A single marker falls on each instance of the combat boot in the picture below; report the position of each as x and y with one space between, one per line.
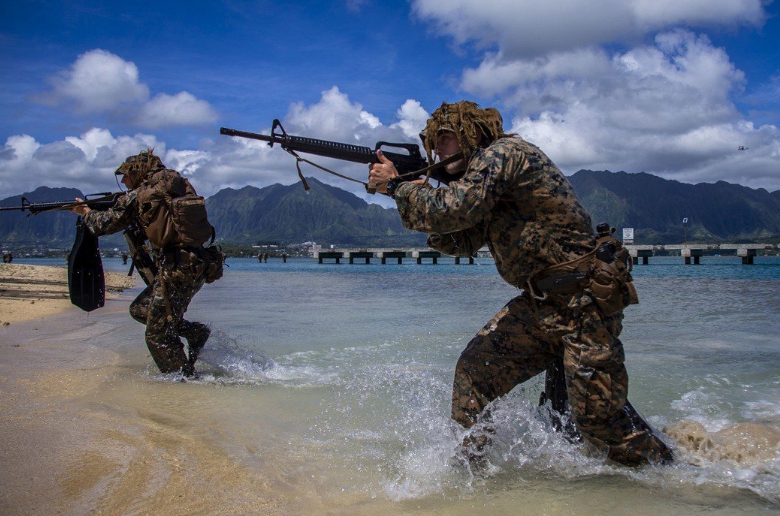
197 335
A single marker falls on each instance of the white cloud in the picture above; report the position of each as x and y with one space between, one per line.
334 117
91 141
609 126
171 110
648 94
656 14
86 162
20 147
528 28
100 82
579 139
412 119
664 107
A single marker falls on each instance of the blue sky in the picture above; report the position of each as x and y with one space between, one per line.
669 87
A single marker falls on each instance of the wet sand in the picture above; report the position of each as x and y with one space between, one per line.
83 433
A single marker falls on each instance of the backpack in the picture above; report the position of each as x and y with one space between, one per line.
171 212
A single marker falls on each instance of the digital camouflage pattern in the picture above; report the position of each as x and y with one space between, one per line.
171 291
515 200
162 305
162 337
512 198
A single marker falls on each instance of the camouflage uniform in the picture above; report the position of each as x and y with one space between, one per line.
515 200
161 306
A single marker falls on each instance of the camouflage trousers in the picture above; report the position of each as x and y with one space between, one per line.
161 307
525 338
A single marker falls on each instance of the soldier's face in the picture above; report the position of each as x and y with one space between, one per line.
127 181
447 145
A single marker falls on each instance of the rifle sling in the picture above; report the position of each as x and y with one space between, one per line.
303 179
370 187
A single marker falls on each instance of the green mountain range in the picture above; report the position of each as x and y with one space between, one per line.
289 214
327 215
656 208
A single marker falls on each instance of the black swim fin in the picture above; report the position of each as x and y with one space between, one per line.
86 282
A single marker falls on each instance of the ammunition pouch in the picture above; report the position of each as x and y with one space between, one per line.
609 283
209 262
611 286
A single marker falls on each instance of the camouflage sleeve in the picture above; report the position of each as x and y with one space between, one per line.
114 219
460 243
465 203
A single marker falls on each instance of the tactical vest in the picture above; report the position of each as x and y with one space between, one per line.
172 213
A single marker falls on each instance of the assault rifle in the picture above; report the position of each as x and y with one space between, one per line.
409 164
100 201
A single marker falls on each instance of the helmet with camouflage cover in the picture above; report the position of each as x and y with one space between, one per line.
138 167
463 118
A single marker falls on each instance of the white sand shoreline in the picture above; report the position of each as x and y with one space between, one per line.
84 430
30 292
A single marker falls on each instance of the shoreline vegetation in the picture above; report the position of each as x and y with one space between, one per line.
29 292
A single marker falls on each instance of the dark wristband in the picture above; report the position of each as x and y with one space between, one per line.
393 185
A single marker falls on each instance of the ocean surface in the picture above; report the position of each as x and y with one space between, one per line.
339 377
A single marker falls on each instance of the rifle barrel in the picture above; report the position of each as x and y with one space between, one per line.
103 202
411 161
326 148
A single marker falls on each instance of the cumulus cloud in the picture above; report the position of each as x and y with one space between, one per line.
180 109
334 117
663 108
100 82
86 162
637 93
681 80
412 118
528 29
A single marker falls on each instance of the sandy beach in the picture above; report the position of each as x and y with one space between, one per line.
80 433
29 292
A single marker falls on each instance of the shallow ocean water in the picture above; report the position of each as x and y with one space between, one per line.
334 380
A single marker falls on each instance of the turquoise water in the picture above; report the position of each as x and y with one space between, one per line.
354 364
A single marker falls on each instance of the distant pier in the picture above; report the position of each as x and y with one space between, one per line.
691 253
420 255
